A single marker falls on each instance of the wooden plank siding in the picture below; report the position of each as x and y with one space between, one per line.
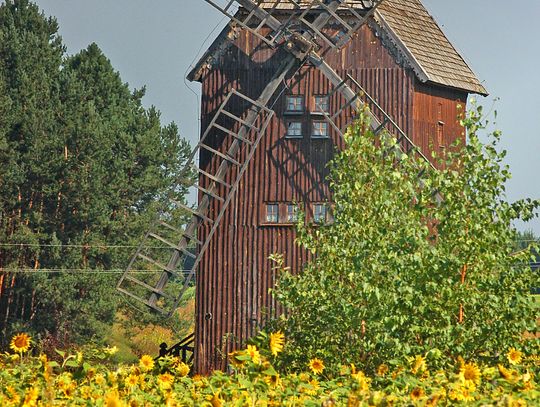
436 110
235 275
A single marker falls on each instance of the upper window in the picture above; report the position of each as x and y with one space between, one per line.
321 104
294 129
295 104
320 129
272 213
440 133
292 213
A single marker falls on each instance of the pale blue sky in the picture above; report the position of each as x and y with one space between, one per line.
153 43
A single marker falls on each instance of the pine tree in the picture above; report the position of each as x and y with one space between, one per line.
86 165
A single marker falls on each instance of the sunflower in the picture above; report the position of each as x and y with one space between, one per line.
233 358
277 340
272 381
30 398
382 370
146 363
316 365
253 354
99 379
362 380
20 343
113 400
12 395
418 364
215 401
510 375
312 388
131 380
463 392
514 356
470 372
165 380
417 394
182 369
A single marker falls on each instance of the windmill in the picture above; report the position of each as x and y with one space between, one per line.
292 36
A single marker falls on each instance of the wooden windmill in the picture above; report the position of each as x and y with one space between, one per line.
279 85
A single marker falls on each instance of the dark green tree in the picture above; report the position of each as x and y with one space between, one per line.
86 166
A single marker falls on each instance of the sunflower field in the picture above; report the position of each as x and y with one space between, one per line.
88 378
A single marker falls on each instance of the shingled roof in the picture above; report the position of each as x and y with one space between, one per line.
417 36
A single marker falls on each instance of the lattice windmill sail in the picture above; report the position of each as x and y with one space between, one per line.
165 247
342 49
151 268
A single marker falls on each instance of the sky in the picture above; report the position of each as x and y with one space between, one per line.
154 43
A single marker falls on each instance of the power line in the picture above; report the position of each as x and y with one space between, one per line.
80 246
80 271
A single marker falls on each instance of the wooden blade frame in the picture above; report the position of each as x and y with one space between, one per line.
346 28
254 18
301 48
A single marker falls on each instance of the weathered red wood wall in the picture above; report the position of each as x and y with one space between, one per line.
235 275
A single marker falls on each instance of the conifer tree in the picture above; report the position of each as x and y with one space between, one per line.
85 165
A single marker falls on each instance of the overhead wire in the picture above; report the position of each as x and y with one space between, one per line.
80 271
79 246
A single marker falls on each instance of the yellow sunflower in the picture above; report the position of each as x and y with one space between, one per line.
113 400
131 380
417 394
30 398
514 356
146 363
165 380
237 363
316 365
272 381
510 375
418 364
12 395
182 369
362 380
20 343
470 372
215 400
277 340
253 354
382 370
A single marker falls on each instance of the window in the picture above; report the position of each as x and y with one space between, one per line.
294 129
321 104
319 213
320 129
292 213
440 133
295 104
272 213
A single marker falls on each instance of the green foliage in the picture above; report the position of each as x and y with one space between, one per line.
401 271
84 166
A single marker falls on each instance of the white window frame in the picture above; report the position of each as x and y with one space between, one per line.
298 133
297 105
320 216
292 213
314 129
270 215
325 105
